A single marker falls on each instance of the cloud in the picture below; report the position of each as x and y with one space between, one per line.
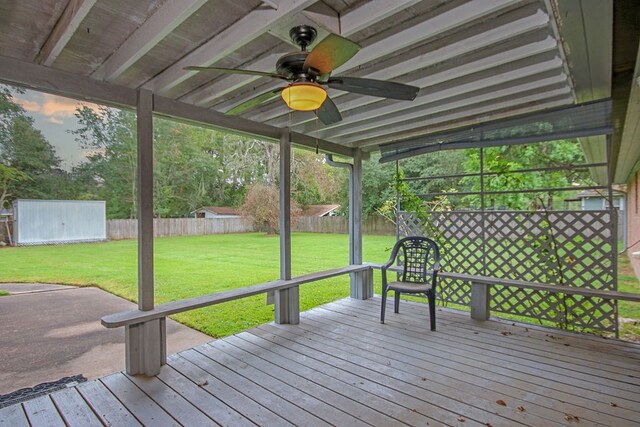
55 120
30 106
54 108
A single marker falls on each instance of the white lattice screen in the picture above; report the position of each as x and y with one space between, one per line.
573 248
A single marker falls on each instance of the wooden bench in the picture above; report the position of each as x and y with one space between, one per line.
131 317
145 331
480 296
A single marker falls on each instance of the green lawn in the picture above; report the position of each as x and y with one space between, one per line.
627 282
197 265
192 266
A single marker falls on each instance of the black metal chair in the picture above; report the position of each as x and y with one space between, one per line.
419 258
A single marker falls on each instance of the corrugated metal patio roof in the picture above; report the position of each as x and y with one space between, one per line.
472 60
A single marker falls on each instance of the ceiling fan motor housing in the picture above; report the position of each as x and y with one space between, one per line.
303 35
291 66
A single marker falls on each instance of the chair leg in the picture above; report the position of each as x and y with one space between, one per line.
431 297
396 302
384 305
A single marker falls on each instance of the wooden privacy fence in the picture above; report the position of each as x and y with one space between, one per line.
118 229
340 224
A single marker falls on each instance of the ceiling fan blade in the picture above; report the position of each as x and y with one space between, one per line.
330 53
328 112
255 102
237 71
373 87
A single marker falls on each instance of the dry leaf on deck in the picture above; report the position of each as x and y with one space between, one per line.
521 408
570 417
203 383
461 419
501 402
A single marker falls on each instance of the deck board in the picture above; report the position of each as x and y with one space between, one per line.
444 361
305 368
340 366
172 402
266 378
42 412
235 400
13 416
137 402
105 405
435 377
423 396
74 409
480 349
265 396
203 400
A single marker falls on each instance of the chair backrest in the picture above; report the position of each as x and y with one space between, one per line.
417 255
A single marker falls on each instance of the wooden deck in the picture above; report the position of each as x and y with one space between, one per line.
340 366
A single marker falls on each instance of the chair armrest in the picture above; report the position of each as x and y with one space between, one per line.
385 266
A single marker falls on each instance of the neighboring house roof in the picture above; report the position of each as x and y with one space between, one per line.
219 210
319 210
6 212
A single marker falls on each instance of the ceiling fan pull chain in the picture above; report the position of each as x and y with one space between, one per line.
317 133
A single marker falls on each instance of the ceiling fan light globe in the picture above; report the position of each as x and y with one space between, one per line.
304 96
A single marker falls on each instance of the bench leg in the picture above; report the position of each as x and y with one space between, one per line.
145 347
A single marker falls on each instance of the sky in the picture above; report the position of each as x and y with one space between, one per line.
54 116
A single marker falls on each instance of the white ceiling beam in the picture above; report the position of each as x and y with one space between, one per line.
356 19
364 16
252 26
409 128
65 28
434 76
323 16
319 15
451 99
460 121
163 21
496 78
453 18
493 36
429 85
448 20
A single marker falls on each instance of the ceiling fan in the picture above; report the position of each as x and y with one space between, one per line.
308 71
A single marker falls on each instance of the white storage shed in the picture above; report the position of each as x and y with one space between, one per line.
46 222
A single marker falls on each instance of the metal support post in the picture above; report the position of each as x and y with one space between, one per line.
361 282
287 301
145 342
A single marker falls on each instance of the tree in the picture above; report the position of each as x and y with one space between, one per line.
8 176
29 165
312 180
110 135
262 206
499 160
